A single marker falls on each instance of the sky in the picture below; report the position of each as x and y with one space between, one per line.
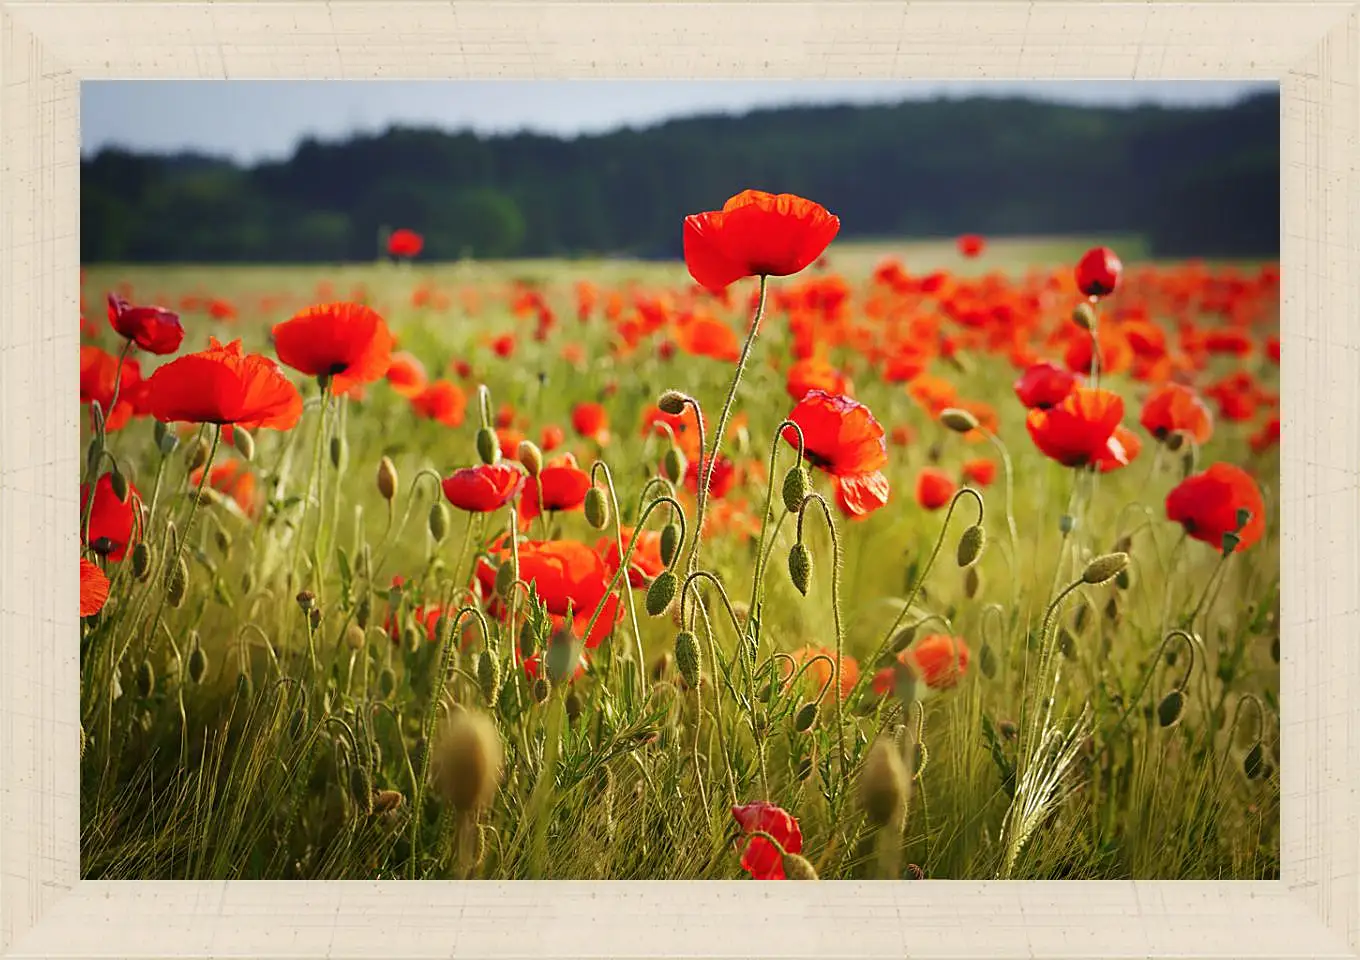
253 120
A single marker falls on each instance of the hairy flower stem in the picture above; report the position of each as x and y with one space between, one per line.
628 594
920 581
757 578
705 468
1010 512
836 618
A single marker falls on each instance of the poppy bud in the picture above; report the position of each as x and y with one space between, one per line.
177 583
1253 765
574 706
467 761
687 658
197 455
528 640
387 682
354 637
1105 568
562 657
1124 580
1230 542
883 784
972 583
903 639
487 446
800 567
306 600
505 578
797 485
971 544
673 465
805 717
1174 441
798 867
1171 708
596 509
145 679
243 442
530 457
1084 315
672 402
363 610
198 664
314 617
338 451
141 560
247 581
387 479
670 543
960 421
541 690
1066 524
439 521
987 661
119 485
166 440
488 675
661 593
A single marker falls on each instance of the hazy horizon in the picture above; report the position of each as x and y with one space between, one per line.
251 121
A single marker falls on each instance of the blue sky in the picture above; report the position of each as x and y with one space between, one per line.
251 120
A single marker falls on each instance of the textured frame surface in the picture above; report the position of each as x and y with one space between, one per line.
48 46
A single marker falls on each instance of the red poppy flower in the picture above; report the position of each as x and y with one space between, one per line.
1078 430
705 336
98 373
404 243
840 435
236 481
934 488
567 576
442 400
860 494
970 245
761 858
348 342
154 329
1122 450
902 435
224 386
564 487
719 484
644 565
551 438
938 660
756 234
980 471
406 374
591 421
483 488
815 374
504 345
112 527
94 588
1174 408
1098 272
820 672
1210 504
1266 437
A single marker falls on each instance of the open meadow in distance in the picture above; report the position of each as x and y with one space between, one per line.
362 614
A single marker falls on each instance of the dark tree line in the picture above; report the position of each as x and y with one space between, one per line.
1194 182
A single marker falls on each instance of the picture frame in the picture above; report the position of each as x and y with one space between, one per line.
48 47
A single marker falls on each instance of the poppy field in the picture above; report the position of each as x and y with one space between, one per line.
803 559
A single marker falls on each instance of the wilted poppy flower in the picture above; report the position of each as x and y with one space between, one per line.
724 474
980 471
94 588
222 385
761 858
406 374
442 400
348 342
591 421
483 488
1098 272
1223 499
98 374
113 523
235 480
564 486
154 329
970 245
404 243
1079 430
644 564
1174 408
934 488
756 234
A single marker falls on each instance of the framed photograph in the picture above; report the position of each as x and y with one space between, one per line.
543 473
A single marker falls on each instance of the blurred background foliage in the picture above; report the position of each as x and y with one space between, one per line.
1189 181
